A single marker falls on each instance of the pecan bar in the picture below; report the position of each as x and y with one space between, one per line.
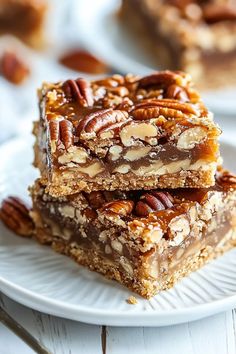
144 240
125 133
24 19
190 35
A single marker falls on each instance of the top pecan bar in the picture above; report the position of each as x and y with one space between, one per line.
125 133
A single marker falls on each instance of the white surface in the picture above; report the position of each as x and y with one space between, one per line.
114 44
214 335
33 274
19 102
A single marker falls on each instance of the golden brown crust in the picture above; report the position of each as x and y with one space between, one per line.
187 179
146 288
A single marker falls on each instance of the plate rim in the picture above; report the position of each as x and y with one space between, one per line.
89 315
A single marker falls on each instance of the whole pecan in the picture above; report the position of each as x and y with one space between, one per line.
61 131
15 215
13 68
120 207
161 79
97 121
177 92
169 108
80 90
80 60
154 201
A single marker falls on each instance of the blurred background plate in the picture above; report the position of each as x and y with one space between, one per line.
37 277
99 29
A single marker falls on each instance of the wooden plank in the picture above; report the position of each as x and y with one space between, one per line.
59 336
214 335
11 344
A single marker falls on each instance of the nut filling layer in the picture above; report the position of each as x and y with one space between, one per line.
149 239
121 131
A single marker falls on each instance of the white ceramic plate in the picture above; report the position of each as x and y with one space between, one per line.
99 28
39 278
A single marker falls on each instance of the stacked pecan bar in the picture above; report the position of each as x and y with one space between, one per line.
146 240
99 146
125 133
191 35
129 181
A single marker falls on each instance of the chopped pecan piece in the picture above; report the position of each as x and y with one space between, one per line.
80 90
15 214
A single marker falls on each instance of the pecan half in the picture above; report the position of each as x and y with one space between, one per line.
168 108
180 3
61 131
80 60
96 199
66 134
226 179
15 215
154 201
13 68
120 207
177 92
100 120
213 12
162 79
79 90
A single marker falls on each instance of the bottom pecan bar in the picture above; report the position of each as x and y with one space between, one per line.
145 240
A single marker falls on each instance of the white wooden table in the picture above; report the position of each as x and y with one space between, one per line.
213 335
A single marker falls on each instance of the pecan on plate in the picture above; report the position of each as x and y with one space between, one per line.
15 214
